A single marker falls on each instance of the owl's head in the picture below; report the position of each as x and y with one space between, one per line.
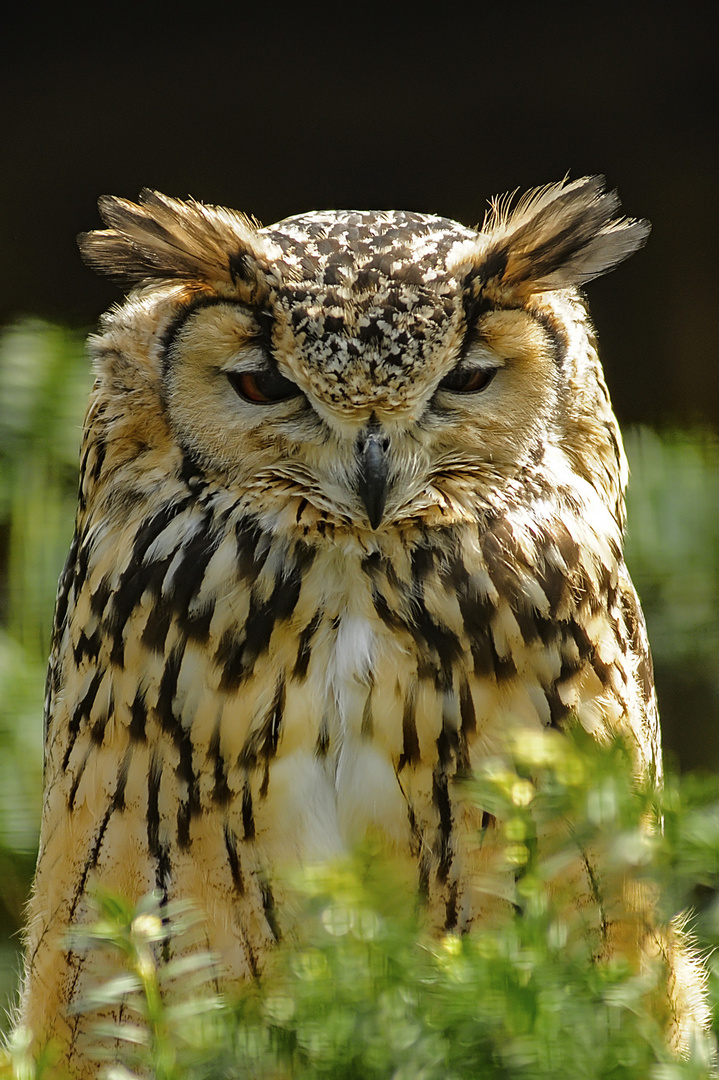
360 369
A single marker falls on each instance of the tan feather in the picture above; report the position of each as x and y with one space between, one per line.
167 238
557 237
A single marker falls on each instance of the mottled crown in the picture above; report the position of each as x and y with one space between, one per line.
370 294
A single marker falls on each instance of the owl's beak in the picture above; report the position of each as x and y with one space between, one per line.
373 459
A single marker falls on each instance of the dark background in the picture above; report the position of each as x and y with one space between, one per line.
279 110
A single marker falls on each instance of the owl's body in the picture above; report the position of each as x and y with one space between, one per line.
351 506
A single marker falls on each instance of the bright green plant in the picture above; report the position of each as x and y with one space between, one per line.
359 991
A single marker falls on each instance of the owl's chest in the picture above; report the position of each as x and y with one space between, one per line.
339 738
352 655
351 652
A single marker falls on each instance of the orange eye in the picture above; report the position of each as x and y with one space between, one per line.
262 387
468 380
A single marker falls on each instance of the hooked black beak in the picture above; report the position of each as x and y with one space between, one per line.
372 447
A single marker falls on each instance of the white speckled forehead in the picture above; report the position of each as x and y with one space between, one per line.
369 295
385 240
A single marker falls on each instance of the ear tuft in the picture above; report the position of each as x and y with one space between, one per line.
556 237
169 239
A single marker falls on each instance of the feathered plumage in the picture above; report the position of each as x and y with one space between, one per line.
351 505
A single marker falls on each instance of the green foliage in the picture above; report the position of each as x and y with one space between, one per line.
672 551
44 382
673 539
359 991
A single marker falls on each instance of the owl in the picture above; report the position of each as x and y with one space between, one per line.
351 507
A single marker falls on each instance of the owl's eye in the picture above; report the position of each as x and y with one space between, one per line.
262 387
468 380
